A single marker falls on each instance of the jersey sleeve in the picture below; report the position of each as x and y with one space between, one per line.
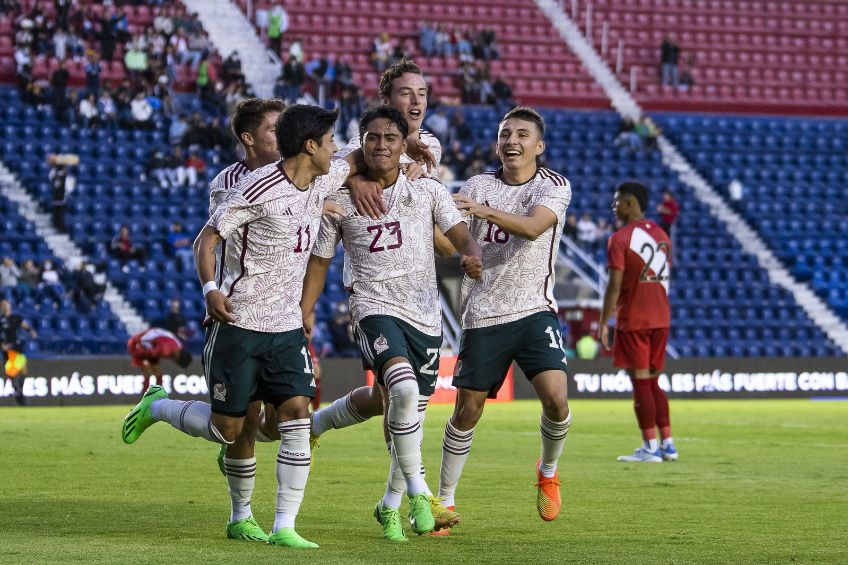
335 179
445 213
351 146
233 213
436 150
469 188
556 199
328 237
616 250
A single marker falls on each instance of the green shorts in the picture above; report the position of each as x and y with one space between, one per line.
382 337
485 354
240 362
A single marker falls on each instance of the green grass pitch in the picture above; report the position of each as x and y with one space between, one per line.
758 482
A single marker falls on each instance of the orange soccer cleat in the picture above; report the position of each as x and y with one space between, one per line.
548 501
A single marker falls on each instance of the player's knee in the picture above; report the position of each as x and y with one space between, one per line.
467 416
228 428
404 395
555 408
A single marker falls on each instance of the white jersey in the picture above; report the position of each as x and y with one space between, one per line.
356 143
218 189
392 259
270 226
518 274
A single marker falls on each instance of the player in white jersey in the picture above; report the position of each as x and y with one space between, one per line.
402 86
395 300
516 214
269 220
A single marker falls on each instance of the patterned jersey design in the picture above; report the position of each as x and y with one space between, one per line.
392 259
270 226
518 274
218 188
355 143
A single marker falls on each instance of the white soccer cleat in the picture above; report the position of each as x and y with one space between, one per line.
642 455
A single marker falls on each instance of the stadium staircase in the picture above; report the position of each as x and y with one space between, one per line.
714 204
229 30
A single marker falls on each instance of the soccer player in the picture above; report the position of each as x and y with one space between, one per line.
257 341
395 300
148 347
637 292
402 86
516 214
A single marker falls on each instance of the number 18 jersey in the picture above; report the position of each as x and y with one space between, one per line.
392 258
518 274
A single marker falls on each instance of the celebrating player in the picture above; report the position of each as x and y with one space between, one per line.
516 215
257 341
395 301
637 292
148 347
402 86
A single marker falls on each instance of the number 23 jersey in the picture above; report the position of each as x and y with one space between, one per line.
392 259
641 250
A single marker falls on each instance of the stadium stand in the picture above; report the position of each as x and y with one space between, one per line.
792 173
771 56
740 313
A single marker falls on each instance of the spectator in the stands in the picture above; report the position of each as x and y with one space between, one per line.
278 24
669 58
381 51
438 124
570 228
158 167
50 277
122 247
502 95
350 107
687 81
344 72
85 291
135 61
177 170
175 321
648 132
627 136
296 49
477 167
92 74
587 230
443 42
180 244
108 36
59 84
206 78
488 43
29 278
62 183
668 210
142 111
427 39
108 110
293 77
483 78
9 273
195 167
231 69
463 44
604 232
89 111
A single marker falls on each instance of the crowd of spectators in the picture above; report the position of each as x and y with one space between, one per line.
82 284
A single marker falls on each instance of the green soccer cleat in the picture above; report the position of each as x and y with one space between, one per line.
420 516
445 518
140 418
287 537
247 530
221 454
389 518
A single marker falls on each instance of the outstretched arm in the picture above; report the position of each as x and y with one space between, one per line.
529 227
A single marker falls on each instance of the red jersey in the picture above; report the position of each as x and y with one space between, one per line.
642 250
151 345
672 211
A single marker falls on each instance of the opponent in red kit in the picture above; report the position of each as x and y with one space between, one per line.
637 292
148 347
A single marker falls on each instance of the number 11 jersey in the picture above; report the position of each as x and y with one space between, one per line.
392 259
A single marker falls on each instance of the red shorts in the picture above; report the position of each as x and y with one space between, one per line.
640 349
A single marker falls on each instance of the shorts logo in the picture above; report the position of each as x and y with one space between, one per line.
457 368
312 384
380 344
219 392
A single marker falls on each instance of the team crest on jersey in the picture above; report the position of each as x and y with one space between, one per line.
526 201
219 392
381 344
457 368
406 203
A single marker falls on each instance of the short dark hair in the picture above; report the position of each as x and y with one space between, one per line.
394 71
249 113
184 358
392 114
635 189
527 114
301 122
